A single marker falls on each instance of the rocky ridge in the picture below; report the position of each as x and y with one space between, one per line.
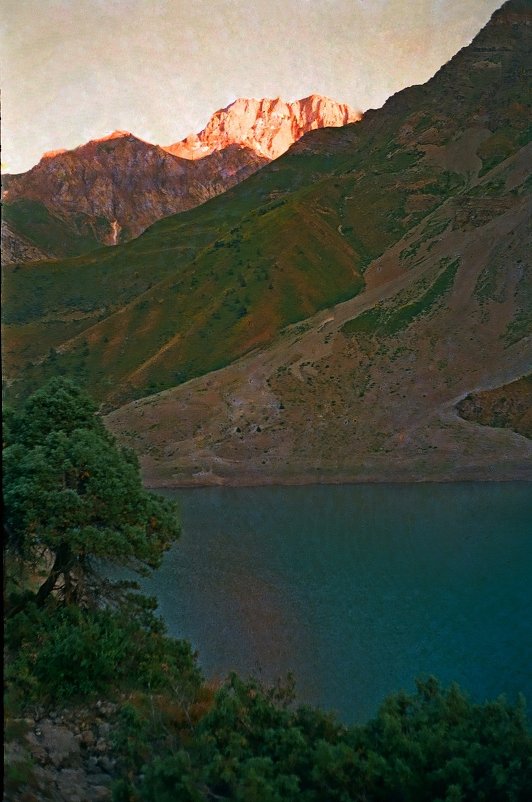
16 249
119 185
114 187
268 126
505 407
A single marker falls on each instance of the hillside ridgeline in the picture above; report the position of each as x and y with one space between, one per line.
111 189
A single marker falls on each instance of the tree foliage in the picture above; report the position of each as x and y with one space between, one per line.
433 746
72 495
58 406
73 503
62 652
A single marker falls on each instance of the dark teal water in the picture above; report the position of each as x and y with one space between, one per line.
358 589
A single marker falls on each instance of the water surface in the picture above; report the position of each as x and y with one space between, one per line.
357 589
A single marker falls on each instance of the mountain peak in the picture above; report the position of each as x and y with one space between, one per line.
51 154
267 126
118 184
118 134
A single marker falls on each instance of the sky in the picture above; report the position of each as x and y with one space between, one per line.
74 70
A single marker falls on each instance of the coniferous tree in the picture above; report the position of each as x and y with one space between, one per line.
73 496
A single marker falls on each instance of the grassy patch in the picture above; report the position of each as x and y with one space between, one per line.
432 230
521 324
496 148
390 320
519 327
32 220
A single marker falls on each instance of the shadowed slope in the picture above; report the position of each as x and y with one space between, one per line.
507 407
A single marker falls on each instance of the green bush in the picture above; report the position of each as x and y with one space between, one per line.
434 746
65 652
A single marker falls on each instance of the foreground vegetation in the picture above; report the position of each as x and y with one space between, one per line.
73 498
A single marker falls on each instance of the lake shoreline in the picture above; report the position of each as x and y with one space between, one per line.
191 483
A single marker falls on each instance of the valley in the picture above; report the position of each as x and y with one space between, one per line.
267 434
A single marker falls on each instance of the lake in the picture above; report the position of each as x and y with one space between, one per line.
356 590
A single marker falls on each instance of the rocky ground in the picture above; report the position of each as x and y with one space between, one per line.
60 756
16 249
506 407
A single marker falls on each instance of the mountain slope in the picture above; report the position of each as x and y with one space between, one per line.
366 209
368 390
17 249
507 407
29 221
113 188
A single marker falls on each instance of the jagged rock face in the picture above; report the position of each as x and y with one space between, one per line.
119 185
124 184
266 126
69 751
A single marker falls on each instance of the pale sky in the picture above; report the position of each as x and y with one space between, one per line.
74 70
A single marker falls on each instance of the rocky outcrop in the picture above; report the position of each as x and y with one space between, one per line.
16 249
123 185
62 756
119 185
506 407
268 126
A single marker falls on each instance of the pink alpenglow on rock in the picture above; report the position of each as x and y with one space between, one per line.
116 186
267 126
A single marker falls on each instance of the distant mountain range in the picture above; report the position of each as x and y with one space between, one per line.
330 317
111 189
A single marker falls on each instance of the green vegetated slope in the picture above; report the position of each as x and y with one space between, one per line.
32 221
199 289
388 320
366 390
